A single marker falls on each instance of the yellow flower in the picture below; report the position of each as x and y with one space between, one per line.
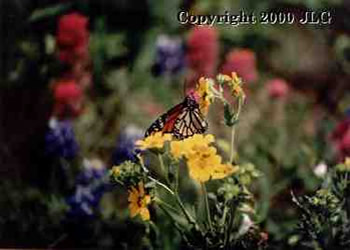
138 202
205 94
223 170
199 139
234 77
235 83
188 146
177 149
226 78
198 146
202 164
155 140
203 87
202 159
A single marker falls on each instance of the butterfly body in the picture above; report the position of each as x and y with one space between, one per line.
182 121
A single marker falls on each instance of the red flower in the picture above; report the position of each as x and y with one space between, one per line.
68 99
73 55
341 129
242 61
202 52
72 31
345 143
343 147
341 139
277 88
72 37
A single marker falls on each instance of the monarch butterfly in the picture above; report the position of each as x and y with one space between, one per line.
183 120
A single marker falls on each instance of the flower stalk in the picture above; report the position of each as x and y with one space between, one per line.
207 209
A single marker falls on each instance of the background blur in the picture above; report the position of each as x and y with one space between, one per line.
80 81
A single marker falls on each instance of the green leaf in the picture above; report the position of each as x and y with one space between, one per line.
228 115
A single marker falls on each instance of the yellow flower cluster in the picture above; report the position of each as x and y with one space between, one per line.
138 201
154 141
235 84
205 93
202 159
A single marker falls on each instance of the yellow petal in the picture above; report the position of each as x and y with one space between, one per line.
234 77
141 189
147 199
134 210
145 215
223 170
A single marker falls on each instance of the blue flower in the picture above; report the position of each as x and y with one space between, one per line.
60 139
93 170
125 148
83 202
91 185
170 55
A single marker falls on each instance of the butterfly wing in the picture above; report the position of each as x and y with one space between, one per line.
183 120
166 121
190 122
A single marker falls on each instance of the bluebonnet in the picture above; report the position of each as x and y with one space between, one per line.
125 149
60 139
170 55
91 184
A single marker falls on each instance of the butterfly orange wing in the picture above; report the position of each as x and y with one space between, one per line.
166 121
183 120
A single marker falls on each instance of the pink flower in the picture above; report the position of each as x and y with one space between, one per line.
68 99
243 62
277 88
202 53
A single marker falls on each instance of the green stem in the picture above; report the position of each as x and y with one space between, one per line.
232 144
190 219
223 219
62 237
240 103
233 130
162 166
230 225
177 178
207 205
162 185
160 158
